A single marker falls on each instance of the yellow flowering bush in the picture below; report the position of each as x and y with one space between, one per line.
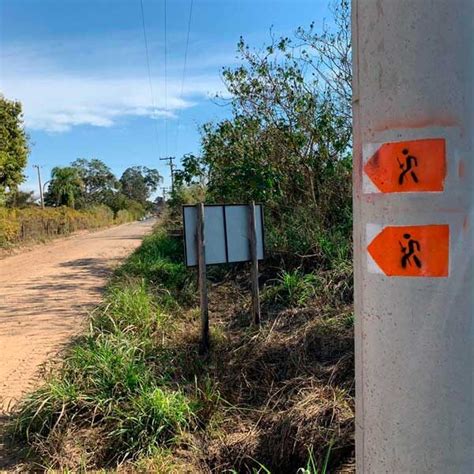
21 225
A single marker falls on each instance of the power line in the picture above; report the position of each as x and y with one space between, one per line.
165 191
170 160
166 80
184 71
150 82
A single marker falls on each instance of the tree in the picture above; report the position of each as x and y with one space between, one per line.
65 187
328 56
99 183
118 202
288 142
281 88
290 136
139 182
20 199
13 145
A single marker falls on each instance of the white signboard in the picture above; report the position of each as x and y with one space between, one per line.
226 233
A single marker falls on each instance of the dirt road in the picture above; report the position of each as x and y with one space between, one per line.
45 294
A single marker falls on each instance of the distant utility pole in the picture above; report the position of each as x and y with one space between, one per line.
165 192
170 160
40 185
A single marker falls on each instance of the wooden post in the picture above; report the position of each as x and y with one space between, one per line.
201 253
254 268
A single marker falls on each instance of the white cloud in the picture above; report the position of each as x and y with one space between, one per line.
57 103
58 95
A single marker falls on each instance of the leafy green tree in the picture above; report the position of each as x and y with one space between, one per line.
20 199
13 145
139 182
99 183
118 202
304 129
65 187
288 142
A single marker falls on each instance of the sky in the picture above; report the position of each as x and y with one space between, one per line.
79 67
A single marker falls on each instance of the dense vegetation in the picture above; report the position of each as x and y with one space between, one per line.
87 183
288 142
33 224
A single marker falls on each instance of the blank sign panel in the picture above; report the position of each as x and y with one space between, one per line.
226 235
238 235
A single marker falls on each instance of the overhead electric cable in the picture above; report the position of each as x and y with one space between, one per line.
184 71
150 82
166 82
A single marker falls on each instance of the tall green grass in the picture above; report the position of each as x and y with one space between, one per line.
159 261
291 288
119 376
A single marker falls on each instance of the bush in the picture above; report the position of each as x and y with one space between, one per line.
123 216
30 224
180 196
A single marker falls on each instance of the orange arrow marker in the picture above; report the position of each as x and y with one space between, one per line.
419 250
409 166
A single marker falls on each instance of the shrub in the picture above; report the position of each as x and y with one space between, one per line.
123 216
34 223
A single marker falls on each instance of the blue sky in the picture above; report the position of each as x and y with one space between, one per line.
79 68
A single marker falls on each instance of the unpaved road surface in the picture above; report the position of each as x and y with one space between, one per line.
45 295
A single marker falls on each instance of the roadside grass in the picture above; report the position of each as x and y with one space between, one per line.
133 393
119 376
291 288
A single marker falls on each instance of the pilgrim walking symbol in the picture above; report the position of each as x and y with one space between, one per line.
409 251
407 167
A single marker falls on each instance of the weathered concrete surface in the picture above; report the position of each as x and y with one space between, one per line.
414 79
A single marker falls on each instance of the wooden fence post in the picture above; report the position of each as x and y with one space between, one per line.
254 268
201 253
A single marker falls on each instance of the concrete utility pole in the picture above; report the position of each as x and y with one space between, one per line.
413 235
170 160
40 185
165 191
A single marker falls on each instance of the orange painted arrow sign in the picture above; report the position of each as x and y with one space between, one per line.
419 250
409 166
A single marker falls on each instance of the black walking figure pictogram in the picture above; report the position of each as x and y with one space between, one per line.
409 251
407 167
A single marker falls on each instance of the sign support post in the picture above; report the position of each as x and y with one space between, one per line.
202 278
413 109
254 266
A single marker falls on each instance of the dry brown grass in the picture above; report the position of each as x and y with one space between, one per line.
284 389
